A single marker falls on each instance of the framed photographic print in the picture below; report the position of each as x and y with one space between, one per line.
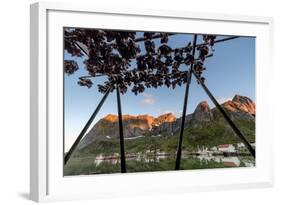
127 102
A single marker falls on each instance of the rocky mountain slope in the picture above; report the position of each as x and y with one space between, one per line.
240 108
133 126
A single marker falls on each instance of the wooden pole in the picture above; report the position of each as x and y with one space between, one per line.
121 134
85 128
179 149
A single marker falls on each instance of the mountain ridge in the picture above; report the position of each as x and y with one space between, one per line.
240 107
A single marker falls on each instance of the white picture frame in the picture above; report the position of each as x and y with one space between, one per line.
46 179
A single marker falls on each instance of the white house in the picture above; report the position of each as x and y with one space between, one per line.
226 148
214 149
240 145
202 150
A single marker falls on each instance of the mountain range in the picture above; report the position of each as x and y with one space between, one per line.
241 109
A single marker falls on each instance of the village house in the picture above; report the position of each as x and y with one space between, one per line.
214 149
240 145
226 148
202 150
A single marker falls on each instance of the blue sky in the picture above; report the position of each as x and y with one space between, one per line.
230 71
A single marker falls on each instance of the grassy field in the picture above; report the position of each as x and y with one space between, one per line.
86 165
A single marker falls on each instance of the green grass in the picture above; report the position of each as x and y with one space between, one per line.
218 133
86 165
